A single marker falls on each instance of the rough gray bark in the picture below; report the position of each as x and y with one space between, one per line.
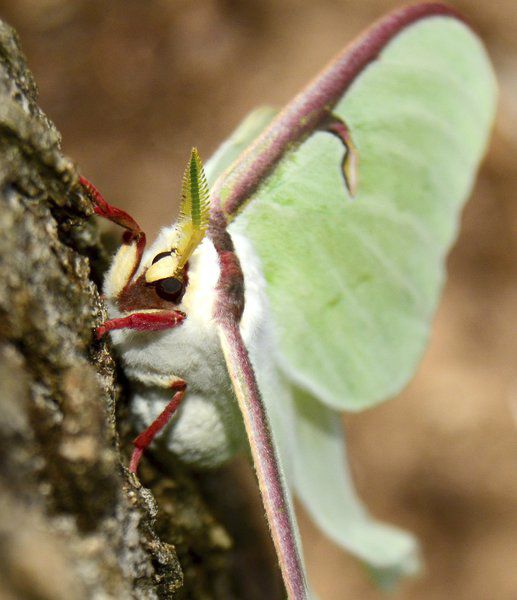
73 522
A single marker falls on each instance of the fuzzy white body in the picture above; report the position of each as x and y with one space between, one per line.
208 427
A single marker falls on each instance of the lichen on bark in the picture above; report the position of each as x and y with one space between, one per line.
73 522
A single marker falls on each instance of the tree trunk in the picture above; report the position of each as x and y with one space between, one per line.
74 523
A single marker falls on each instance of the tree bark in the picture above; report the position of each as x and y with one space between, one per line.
74 523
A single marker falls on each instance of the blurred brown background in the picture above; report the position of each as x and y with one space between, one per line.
132 85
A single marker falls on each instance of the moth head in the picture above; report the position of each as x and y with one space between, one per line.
165 278
167 270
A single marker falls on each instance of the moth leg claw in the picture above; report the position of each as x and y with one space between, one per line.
112 213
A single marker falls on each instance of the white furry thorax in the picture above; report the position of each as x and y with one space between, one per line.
208 429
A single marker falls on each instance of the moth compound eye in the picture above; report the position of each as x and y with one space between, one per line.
160 256
170 285
170 289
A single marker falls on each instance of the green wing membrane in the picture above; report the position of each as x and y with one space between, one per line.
324 485
353 283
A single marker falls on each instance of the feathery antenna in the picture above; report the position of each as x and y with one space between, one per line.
192 223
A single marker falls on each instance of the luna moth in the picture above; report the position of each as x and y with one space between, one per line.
302 274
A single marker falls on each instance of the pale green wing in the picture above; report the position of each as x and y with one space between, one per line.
311 445
312 455
354 283
323 483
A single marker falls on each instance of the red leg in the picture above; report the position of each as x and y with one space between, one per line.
146 437
134 232
114 214
155 321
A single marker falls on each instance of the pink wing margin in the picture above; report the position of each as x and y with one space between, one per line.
273 489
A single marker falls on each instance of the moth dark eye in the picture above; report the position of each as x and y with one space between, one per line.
170 289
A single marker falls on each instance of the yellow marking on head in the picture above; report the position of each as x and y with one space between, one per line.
162 269
122 267
192 223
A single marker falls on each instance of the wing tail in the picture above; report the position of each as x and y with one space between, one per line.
324 485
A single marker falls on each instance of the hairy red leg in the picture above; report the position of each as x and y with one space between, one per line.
143 322
134 232
103 209
142 441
